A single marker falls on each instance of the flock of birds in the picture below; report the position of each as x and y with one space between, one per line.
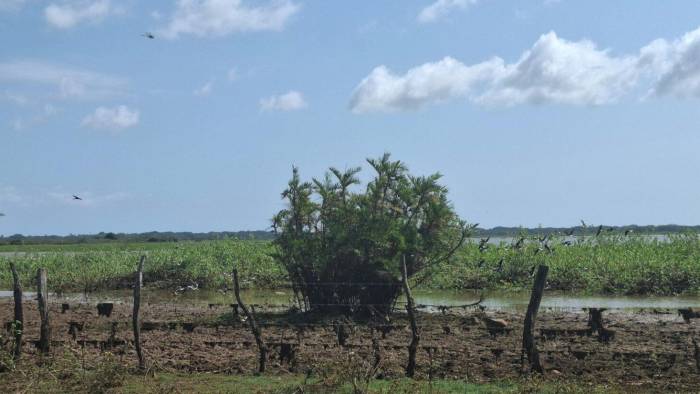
544 244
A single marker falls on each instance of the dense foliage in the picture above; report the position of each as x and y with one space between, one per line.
343 250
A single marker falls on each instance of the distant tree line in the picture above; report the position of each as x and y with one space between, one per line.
153 236
169 236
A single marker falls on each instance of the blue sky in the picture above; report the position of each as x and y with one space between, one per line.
536 112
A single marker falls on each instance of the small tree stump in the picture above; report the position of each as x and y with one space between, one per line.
105 309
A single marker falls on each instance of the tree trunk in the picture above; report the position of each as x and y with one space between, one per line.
18 325
415 336
253 325
138 282
529 345
43 298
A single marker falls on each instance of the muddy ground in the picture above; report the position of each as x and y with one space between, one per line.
649 349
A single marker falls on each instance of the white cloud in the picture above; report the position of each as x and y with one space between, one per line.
554 70
70 83
215 18
431 82
290 101
71 13
114 119
204 90
675 65
442 8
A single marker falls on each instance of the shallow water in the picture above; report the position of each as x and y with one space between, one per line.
494 300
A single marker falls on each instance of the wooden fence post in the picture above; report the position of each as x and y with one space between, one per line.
415 336
529 345
135 316
18 325
43 298
262 348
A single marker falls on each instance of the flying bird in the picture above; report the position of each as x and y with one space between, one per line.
148 35
76 197
2 214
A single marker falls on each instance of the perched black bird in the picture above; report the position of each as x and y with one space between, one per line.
148 35
76 197
519 244
627 232
583 223
600 229
483 244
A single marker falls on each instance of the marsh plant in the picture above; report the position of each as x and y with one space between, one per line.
343 248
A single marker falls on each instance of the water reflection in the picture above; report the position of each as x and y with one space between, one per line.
493 300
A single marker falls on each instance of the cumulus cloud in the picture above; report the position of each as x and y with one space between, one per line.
675 65
71 13
216 18
116 118
69 82
290 101
554 70
442 8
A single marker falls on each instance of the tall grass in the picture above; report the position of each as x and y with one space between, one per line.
206 264
604 264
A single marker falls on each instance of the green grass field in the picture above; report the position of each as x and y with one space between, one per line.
602 265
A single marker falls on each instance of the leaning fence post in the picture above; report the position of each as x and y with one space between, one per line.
135 316
415 336
529 346
18 325
253 325
43 298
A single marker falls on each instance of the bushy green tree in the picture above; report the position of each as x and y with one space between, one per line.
343 249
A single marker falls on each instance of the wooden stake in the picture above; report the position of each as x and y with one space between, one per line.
262 348
19 315
135 316
43 298
529 345
415 335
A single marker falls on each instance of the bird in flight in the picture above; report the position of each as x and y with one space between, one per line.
76 197
148 35
2 214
